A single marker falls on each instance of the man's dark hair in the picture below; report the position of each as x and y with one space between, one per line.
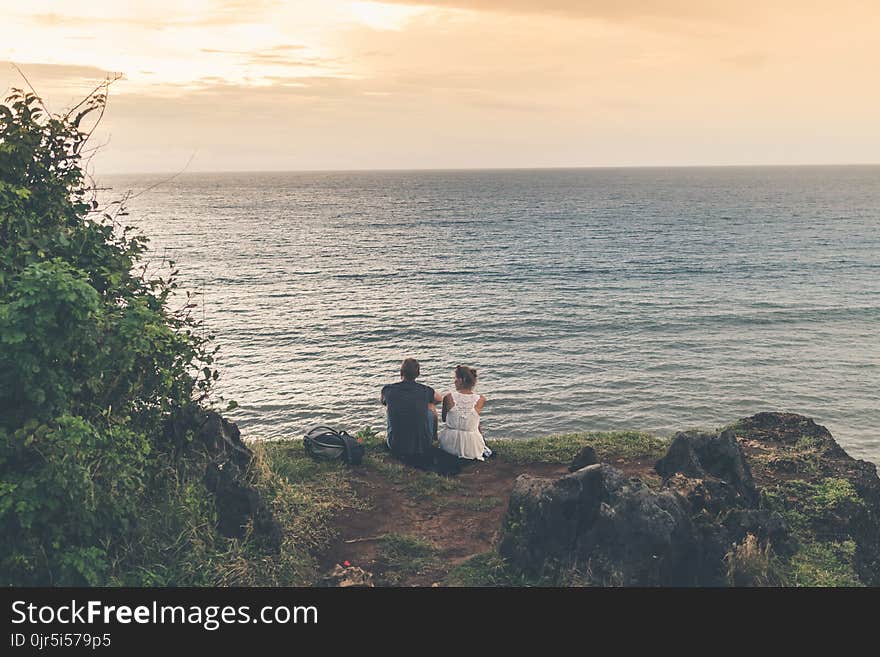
409 369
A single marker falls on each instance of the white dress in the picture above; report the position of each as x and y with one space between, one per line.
461 436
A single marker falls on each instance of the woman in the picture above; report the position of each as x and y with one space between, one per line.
461 412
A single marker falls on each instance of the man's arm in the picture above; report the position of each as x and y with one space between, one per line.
448 403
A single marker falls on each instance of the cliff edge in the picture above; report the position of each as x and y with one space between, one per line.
770 500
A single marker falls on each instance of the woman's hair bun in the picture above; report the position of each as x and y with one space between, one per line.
465 374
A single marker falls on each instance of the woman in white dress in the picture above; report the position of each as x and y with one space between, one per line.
461 412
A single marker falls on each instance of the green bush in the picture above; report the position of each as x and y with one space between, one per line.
94 365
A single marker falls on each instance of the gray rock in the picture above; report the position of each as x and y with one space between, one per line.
587 456
765 525
226 461
715 458
595 526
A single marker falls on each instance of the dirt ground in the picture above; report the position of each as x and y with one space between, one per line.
457 524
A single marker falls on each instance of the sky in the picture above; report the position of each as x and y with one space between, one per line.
252 85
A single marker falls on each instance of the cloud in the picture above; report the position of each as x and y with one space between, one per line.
308 85
743 14
276 55
288 46
54 20
61 86
58 72
601 9
218 13
58 20
53 80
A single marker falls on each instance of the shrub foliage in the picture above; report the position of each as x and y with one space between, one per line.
94 362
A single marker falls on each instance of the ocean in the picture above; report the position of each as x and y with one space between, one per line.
587 299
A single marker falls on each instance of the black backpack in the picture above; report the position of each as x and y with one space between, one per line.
330 445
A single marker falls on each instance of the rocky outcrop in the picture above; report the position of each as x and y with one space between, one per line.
587 456
226 460
714 460
806 473
597 526
775 480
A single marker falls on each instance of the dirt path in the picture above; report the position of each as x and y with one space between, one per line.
420 526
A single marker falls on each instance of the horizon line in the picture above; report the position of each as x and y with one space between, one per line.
501 168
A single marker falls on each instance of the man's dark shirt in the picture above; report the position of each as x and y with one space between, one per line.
409 429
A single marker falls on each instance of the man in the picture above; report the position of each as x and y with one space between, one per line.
412 415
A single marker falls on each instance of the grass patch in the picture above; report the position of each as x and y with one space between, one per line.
804 504
809 444
490 570
486 569
823 564
609 445
372 440
403 556
191 552
418 485
804 457
290 460
823 557
832 493
305 496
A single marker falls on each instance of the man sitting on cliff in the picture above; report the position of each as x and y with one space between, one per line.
412 416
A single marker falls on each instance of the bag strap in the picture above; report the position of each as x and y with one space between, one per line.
351 444
325 430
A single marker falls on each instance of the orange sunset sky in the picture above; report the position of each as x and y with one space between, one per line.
332 84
